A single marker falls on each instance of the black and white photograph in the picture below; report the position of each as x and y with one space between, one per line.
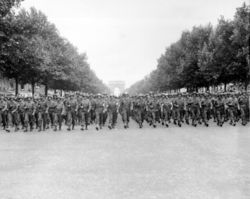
124 99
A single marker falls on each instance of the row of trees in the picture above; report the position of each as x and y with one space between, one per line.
32 51
203 57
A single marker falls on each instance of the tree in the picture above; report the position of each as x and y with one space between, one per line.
6 5
204 57
32 51
240 40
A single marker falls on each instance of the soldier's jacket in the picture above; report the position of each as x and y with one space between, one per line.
180 103
73 105
67 105
41 106
231 102
11 106
206 103
166 104
98 105
139 105
14 107
219 103
152 105
112 105
125 104
59 107
177 103
51 106
196 103
243 101
189 103
21 108
29 107
84 105
3 106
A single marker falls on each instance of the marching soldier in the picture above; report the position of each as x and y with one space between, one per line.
40 111
112 110
99 106
125 108
206 105
195 110
139 108
243 104
178 106
29 114
231 106
4 114
84 110
166 111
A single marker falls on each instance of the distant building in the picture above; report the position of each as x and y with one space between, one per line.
116 87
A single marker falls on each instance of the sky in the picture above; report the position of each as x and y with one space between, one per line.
124 38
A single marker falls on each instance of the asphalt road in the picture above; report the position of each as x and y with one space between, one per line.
173 163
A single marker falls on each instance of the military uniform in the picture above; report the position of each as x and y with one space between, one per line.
125 108
83 111
99 105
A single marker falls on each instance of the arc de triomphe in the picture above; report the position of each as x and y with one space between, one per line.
116 87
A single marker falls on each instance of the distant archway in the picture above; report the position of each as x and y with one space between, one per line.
116 87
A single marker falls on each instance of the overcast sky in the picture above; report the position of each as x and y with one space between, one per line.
124 38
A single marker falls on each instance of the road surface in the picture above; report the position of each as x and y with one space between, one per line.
173 163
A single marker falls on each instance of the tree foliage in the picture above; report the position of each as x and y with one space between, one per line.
203 57
32 51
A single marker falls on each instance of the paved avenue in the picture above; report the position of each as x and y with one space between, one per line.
173 163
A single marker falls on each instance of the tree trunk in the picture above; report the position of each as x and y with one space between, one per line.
225 87
16 89
33 88
46 90
61 92
246 84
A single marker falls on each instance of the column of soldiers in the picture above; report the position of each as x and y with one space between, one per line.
28 114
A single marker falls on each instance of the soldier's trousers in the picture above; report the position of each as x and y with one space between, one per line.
16 119
83 118
10 119
1 121
195 114
214 113
47 120
99 117
50 115
177 114
125 116
5 120
219 116
243 111
57 118
187 115
231 111
205 111
152 117
138 116
105 117
41 120
69 118
28 120
112 116
21 115
166 115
